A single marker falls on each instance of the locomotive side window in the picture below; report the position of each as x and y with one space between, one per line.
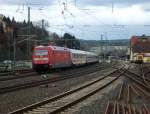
41 52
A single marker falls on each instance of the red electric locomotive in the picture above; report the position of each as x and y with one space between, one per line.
58 57
50 57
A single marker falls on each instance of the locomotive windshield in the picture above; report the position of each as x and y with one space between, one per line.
41 52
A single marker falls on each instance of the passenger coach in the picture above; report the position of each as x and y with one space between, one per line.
58 57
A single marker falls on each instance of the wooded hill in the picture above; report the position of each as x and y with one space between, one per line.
37 36
20 33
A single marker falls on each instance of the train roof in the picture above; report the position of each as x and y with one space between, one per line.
91 53
58 48
82 52
77 51
54 48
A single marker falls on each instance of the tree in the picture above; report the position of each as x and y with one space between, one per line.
13 20
20 34
56 39
70 41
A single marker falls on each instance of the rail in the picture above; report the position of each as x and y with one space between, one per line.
42 106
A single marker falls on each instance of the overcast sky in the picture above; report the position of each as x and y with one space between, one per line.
86 19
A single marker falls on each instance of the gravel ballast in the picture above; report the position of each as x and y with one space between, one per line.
95 104
15 100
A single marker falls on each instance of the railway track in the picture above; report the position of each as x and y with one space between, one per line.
137 79
17 76
145 68
30 73
124 102
140 77
7 73
48 80
20 74
63 101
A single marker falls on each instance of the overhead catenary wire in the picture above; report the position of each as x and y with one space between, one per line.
66 16
64 8
103 24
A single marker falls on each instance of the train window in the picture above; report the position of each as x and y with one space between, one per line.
41 52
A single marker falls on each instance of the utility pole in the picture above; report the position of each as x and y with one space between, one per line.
28 39
75 1
12 32
42 23
112 6
101 44
106 43
42 27
14 44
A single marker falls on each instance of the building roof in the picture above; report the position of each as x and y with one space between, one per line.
141 44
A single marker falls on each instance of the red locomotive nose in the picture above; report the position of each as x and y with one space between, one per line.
40 57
